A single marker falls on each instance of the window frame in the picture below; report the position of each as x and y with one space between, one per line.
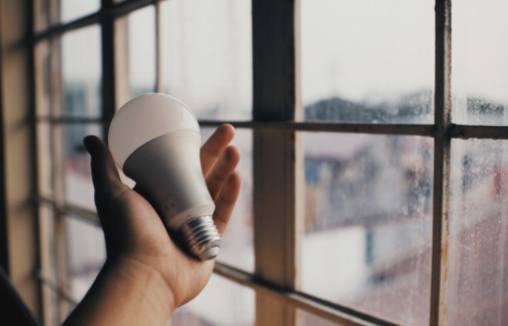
19 243
277 110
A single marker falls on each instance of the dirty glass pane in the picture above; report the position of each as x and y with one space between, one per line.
222 303
480 68
78 184
368 214
306 318
477 285
81 72
367 61
207 56
237 248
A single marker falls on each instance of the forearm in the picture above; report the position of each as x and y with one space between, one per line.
126 292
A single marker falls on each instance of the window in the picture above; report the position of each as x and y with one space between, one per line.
373 190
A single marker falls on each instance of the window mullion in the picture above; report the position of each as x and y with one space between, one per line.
109 96
275 222
57 173
42 139
442 144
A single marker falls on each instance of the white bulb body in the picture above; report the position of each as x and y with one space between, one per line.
155 139
168 169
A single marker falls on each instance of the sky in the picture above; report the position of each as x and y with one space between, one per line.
366 49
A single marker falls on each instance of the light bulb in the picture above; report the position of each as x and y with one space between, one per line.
155 140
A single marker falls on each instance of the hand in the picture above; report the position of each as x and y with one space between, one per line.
135 235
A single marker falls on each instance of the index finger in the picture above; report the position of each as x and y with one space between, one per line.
215 145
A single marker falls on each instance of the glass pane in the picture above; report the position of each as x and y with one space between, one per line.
72 9
480 68
237 248
86 254
142 51
368 214
222 302
77 174
306 318
477 286
81 72
368 61
208 56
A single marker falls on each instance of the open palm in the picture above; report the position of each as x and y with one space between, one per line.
133 229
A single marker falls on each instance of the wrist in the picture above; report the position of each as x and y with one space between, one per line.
144 282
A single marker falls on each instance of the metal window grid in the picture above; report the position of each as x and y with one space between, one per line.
276 110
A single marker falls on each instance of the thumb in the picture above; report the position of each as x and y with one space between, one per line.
106 180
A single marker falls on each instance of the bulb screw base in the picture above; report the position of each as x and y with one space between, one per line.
201 237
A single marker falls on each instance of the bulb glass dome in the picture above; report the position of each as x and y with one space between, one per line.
145 118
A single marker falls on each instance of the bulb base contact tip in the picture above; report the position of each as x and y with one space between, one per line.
201 237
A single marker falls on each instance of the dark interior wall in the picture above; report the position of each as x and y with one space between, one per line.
19 217
3 221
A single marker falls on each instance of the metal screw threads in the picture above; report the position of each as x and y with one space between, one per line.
202 237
